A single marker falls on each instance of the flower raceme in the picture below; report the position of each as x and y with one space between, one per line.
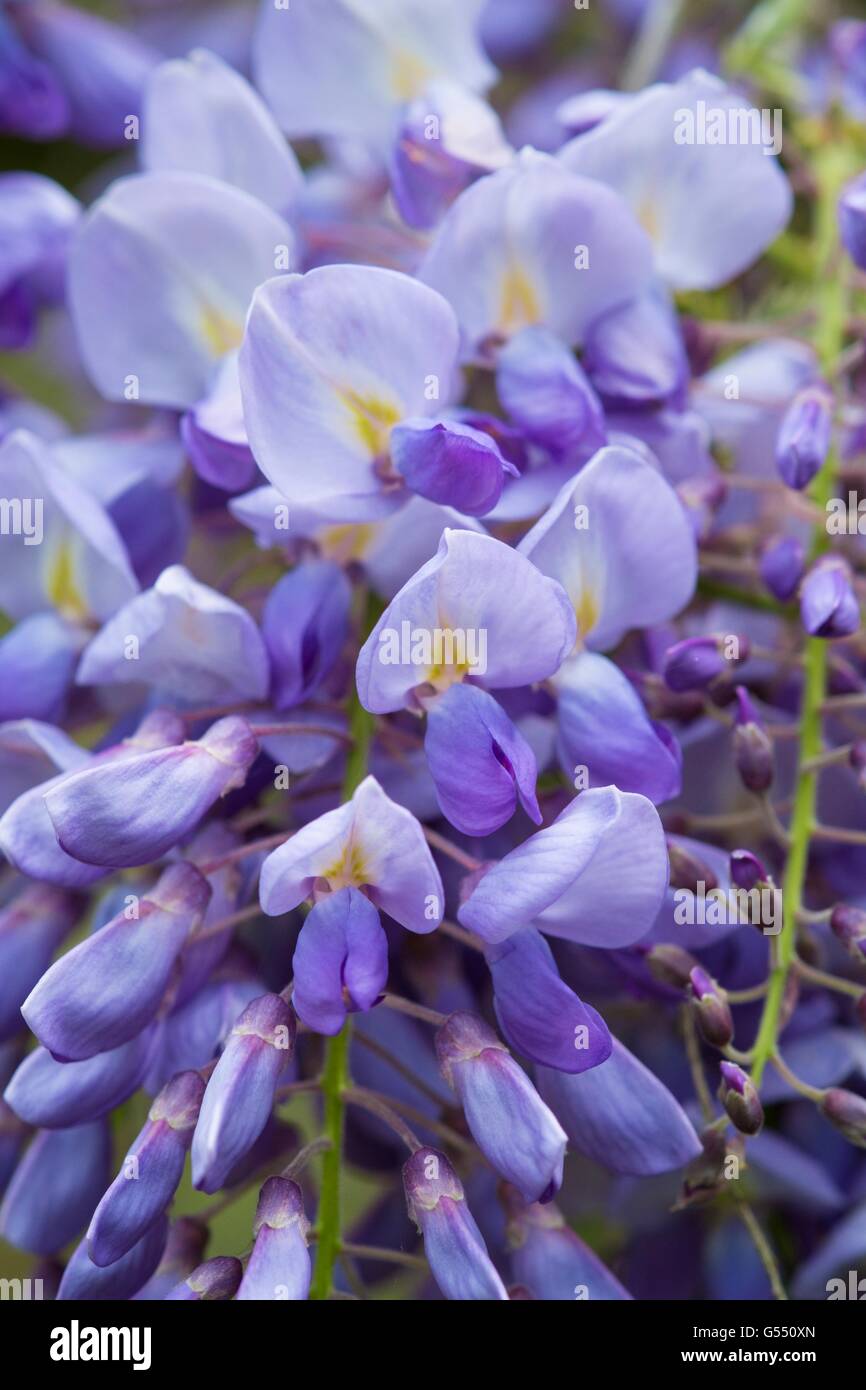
401 547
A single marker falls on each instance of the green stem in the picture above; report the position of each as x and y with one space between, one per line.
653 40
335 1077
829 342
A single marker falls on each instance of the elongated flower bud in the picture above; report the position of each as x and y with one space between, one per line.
85 1281
55 1187
32 926
852 220
847 1111
58 1095
132 810
150 1172
453 1244
279 1267
509 1121
712 1011
740 1099
215 1281
240 1093
105 990
804 437
753 747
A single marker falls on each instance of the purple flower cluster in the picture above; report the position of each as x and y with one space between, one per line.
431 668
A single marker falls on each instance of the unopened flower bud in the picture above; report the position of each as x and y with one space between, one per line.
753 747
857 761
150 1172
454 1246
740 1099
848 925
696 662
517 1133
852 220
671 965
687 870
804 436
240 1093
747 870
214 1281
279 1267
828 604
712 1011
847 1111
781 566
706 1176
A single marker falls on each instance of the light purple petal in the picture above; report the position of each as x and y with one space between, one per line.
603 726
711 208
161 276
620 1115
341 946
391 48
131 811
617 575
185 640
597 875
545 391
450 463
66 552
518 624
202 117
508 253
540 1016
369 842
481 764
332 360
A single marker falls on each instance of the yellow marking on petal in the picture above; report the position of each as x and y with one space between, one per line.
349 871
648 218
409 75
373 418
221 333
442 677
60 583
520 306
345 543
586 609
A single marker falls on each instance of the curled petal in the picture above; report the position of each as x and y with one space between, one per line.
481 764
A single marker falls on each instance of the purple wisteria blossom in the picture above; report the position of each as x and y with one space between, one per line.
432 753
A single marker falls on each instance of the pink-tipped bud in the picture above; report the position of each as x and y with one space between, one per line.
847 1111
711 1009
740 1099
753 747
671 965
